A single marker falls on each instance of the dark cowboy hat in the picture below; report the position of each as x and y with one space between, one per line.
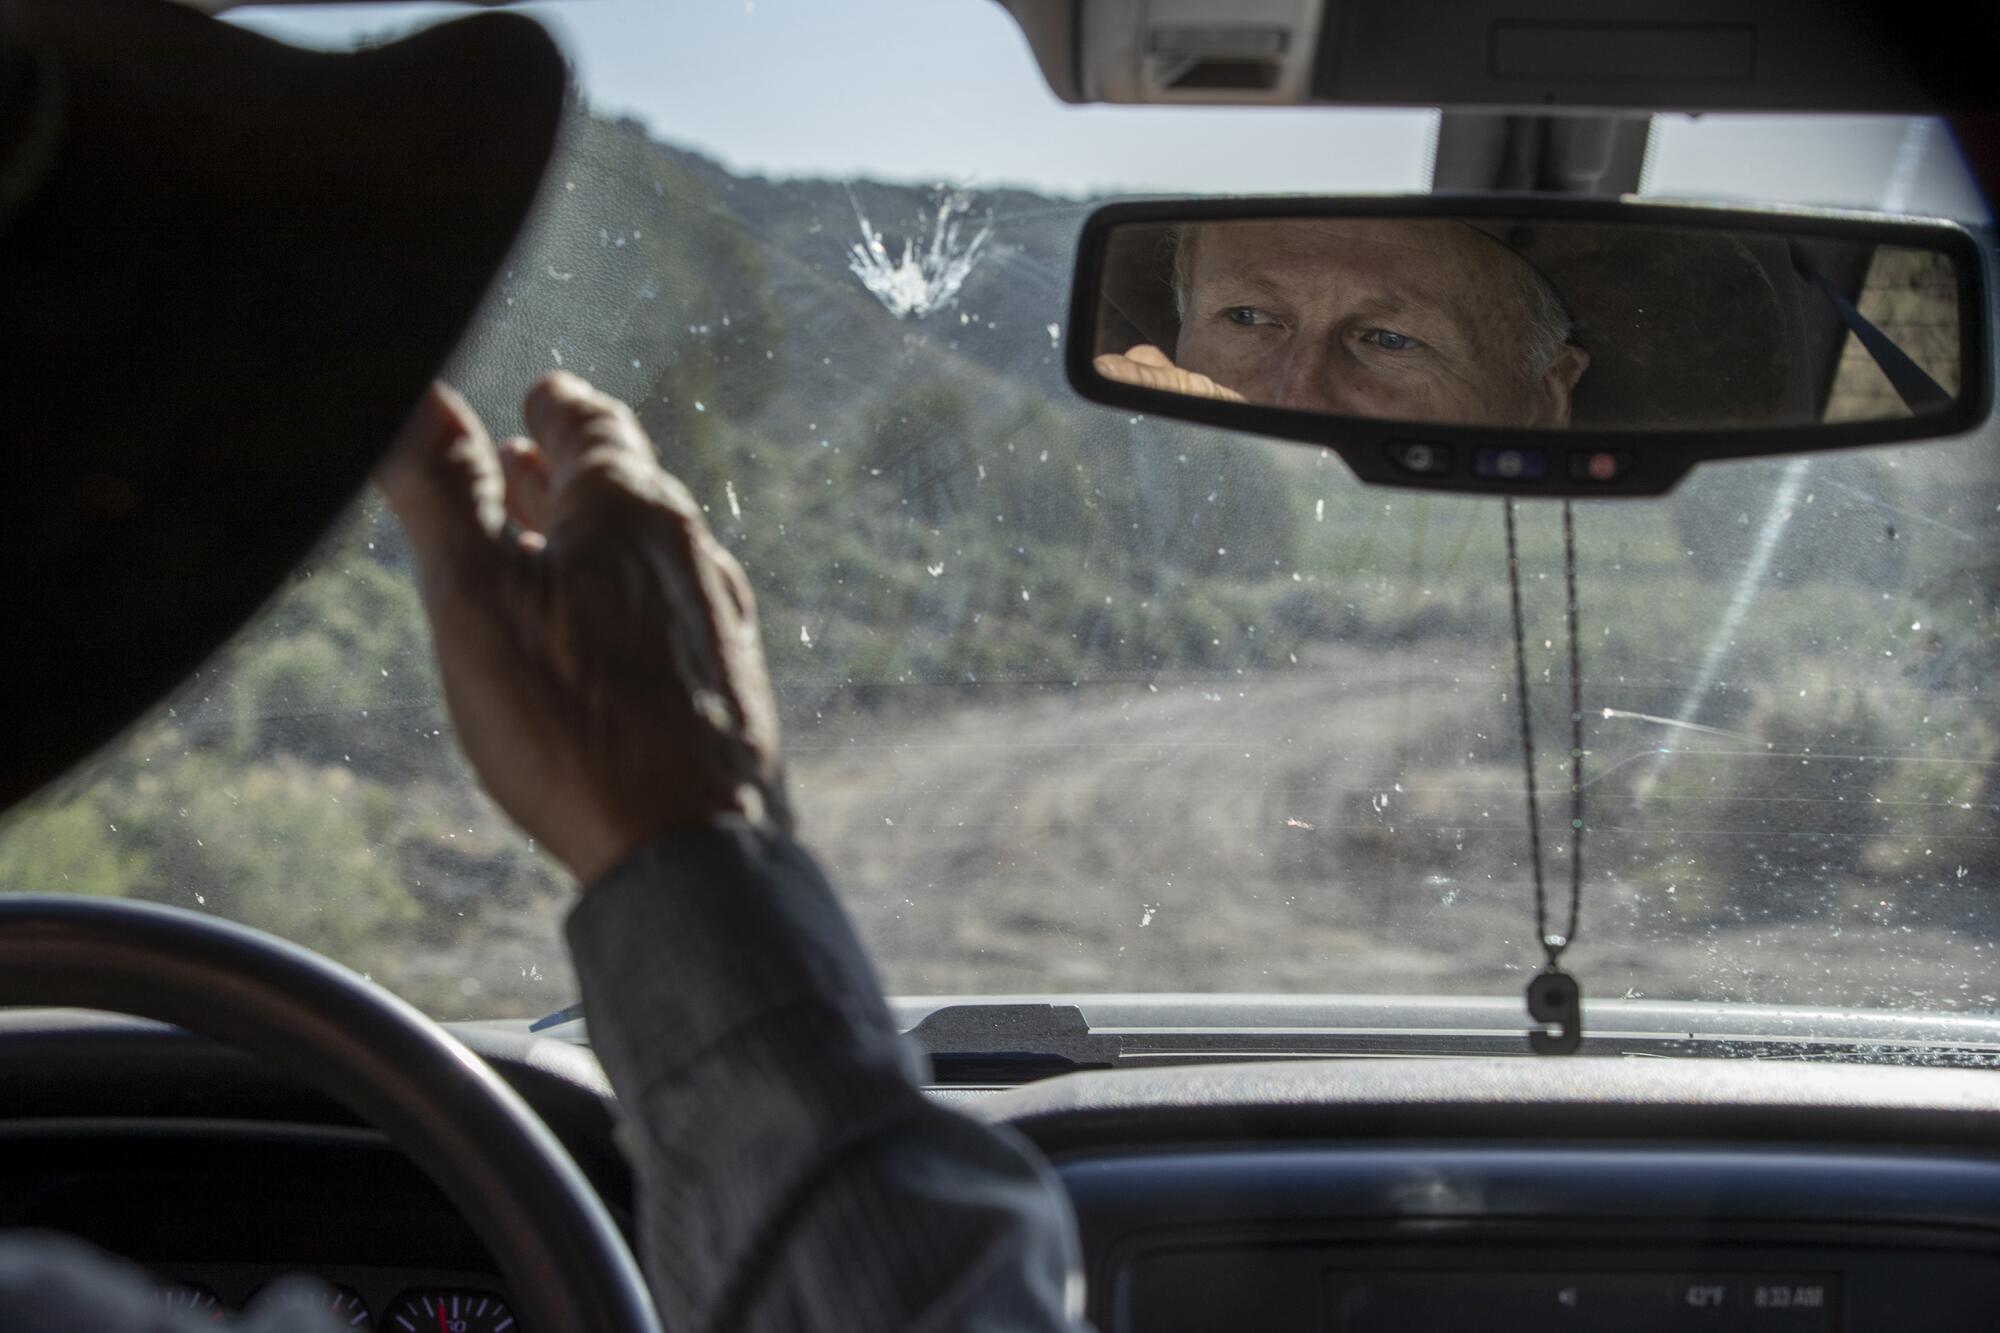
1684 328
229 268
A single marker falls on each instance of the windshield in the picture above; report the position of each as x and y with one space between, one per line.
1078 701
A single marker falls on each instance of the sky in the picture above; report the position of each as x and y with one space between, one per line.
946 90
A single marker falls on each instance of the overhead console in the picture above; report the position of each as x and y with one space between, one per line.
1553 55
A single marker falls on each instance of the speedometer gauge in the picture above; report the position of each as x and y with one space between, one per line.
192 1296
343 1303
449 1312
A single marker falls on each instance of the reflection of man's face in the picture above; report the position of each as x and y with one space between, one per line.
1405 319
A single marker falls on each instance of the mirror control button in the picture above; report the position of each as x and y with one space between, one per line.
1601 465
1511 464
1421 456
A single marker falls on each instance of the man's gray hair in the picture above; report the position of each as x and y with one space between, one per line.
1549 324
1182 241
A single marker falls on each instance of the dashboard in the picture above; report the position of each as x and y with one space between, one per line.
1618 1196
1632 1196
1343 1239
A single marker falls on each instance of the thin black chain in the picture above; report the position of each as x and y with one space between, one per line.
1527 729
1552 945
1575 734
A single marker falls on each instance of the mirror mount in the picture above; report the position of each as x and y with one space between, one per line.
1593 455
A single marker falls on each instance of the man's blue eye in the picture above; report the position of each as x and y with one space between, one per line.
1247 315
1389 340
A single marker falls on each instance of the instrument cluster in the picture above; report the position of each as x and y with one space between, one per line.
373 1300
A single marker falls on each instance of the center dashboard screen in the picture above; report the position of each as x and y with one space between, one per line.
1548 1302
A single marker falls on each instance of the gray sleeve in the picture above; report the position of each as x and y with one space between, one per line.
791 1172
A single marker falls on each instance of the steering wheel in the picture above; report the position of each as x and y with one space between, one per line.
565 1261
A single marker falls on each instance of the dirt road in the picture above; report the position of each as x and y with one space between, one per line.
1355 826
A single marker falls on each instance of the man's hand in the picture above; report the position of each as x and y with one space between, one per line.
1147 367
600 658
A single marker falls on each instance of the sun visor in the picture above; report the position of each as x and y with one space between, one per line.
229 269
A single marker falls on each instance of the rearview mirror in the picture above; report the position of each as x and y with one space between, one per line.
1532 345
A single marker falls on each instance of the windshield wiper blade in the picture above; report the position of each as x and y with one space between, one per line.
569 1013
1011 1043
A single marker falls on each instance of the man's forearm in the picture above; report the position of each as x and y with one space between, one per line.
791 1172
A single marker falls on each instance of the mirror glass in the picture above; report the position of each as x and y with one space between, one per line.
1499 322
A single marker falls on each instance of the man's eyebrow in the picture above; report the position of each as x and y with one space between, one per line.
1250 276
